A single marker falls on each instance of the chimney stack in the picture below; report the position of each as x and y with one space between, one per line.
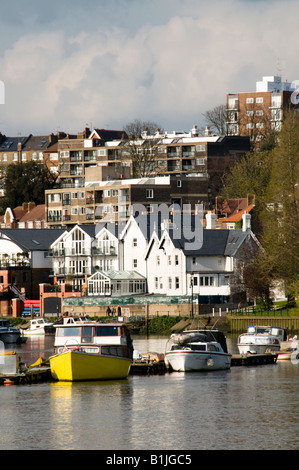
210 221
246 222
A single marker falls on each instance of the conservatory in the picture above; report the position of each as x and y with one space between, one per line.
113 283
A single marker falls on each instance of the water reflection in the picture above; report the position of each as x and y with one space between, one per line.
89 415
242 408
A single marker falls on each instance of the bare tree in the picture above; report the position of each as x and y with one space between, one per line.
137 127
216 119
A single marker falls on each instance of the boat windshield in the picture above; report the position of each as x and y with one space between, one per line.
86 331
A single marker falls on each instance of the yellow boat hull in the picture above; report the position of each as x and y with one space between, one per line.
74 366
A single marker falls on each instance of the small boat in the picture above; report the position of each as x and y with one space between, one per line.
289 350
37 327
197 350
8 333
88 350
261 340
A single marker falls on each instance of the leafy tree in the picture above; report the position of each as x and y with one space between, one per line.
280 217
24 182
250 175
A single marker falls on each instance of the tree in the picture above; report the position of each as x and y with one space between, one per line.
216 119
141 147
280 217
24 182
250 175
137 127
143 155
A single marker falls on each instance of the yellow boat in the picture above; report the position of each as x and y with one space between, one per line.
91 351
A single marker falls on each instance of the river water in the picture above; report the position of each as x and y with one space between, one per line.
244 408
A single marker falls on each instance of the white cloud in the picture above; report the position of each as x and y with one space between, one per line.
170 72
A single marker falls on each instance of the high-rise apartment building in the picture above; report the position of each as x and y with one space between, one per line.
256 114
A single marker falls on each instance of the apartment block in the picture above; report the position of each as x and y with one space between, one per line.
113 200
256 113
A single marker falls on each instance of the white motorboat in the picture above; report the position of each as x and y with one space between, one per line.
261 340
196 350
37 327
289 350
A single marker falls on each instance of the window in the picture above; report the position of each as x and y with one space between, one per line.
134 263
149 194
200 148
259 125
170 283
158 261
15 157
74 195
249 113
24 156
194 260
259 112
249 125
177 282
179 183
107 193
195 281
34 156
169 260
114 192
156 283
5 157
176 260
200 161
260 100
249 100
134 242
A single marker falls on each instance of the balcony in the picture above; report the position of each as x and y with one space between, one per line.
54 218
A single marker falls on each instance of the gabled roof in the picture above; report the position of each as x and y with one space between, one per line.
32 239
236 217
37 213
104 134
214 242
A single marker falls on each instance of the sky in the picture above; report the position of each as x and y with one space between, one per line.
70 64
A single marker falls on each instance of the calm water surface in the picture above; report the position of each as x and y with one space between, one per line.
244 408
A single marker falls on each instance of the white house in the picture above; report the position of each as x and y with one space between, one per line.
84 250
174 269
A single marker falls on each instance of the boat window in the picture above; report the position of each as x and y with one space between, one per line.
73 331
106 331
198 347
212 347
86 334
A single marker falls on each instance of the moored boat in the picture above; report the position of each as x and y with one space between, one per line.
289 350
8 333
90 350
197 350
261 340
37 327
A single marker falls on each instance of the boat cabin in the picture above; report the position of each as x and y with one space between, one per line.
280 333
92 337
